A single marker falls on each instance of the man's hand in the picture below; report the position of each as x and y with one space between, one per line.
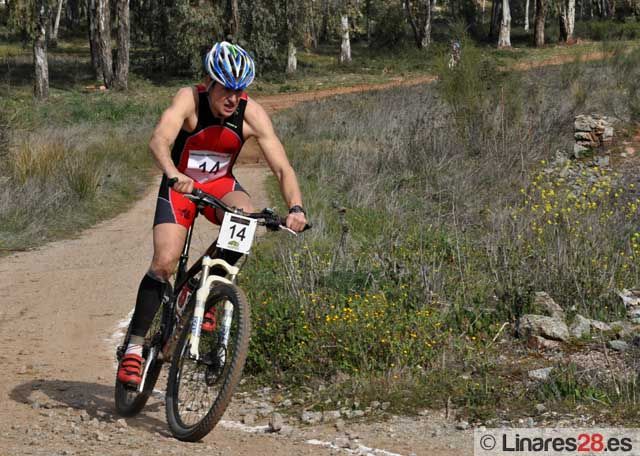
184 184
296 221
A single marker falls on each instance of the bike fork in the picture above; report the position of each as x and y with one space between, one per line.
206 281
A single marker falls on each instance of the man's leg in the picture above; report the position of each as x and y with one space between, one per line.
168 241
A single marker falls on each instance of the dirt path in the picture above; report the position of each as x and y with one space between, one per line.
60 309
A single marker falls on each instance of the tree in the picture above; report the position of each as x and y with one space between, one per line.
345 48
541 13
56 25
504 39
121 79
232 24
567 18
419 17
294 13
41 80
103 41
93 38
526 15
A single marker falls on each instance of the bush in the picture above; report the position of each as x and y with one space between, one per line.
391 29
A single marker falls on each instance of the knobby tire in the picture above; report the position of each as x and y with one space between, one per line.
186 374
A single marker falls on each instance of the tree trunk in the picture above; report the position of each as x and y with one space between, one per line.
56 25
526 15
567 18
345 48
421 30
496 9
504 39
93 38
426 37
121 80
541 13
103 41
233 20
324 27
292 60
41 81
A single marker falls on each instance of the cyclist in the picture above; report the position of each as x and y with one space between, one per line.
197 141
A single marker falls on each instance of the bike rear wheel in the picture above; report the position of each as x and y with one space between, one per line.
129 401
198 392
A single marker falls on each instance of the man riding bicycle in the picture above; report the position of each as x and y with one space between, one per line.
197 142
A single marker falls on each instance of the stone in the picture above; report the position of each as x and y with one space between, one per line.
341 442
633 314
540 374
275 422
374 405
541 325
121 423
583 136
330 416
600 325
540 408
630 297
339 425
582 123
462 425
308 417
607 135
580 327
544 301
385 405
249 419
540 343
618 345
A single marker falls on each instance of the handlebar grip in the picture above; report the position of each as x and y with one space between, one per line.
173 181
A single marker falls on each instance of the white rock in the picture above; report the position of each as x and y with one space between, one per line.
540 374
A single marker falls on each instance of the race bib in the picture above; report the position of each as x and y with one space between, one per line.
205 166
236 233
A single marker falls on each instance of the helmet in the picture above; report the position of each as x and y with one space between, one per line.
230 65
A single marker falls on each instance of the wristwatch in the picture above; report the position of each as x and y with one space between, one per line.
297 209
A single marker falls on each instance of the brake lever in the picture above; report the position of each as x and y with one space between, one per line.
288 230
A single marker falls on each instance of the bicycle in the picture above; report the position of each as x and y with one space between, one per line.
205 365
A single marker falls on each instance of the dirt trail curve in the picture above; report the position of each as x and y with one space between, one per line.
60 307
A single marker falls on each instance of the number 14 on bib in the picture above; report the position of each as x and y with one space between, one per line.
236 233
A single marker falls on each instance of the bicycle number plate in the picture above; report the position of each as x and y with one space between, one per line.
236 233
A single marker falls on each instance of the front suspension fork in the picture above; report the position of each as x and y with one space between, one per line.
206 282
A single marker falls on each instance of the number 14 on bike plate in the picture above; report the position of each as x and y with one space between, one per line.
236 233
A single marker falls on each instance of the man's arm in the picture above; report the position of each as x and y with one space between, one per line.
258 124
182 107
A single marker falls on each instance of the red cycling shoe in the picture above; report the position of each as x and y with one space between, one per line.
130 370
209 320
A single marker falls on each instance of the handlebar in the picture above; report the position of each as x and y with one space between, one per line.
266 217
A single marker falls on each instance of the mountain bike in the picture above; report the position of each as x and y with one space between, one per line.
206 361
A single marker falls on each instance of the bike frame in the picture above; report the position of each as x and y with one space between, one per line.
173 326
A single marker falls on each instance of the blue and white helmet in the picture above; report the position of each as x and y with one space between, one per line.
230 65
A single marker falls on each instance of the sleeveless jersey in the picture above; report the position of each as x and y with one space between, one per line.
211 149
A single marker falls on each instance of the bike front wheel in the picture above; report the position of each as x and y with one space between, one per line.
199 391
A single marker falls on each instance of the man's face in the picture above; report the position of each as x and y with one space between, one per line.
224 102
